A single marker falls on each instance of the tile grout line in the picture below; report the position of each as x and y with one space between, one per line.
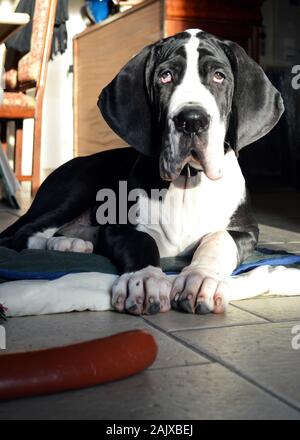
233 369
242 324
251 313
216 359
172 336
7 212
268 320
173 367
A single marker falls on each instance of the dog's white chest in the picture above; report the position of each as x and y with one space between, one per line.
192 208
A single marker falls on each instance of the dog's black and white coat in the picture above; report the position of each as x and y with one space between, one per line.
187 105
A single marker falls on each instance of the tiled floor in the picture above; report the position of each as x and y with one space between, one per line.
9 215
238 366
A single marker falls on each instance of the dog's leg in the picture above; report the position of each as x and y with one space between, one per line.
74 237
53 207
68 244
67 193
202 287
142 288
39 234
42 235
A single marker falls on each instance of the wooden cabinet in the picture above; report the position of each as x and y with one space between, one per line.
237 20
99 54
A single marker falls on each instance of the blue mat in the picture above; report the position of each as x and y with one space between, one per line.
46 265
268 258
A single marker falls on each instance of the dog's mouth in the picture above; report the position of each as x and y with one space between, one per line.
189 171
195 161
189 167
190 155
178 156
189 164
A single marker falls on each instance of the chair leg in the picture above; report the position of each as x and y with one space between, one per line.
36 159
19 147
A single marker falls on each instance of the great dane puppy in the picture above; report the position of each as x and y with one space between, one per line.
186 105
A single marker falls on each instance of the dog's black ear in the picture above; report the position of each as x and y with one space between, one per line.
257 104
126 107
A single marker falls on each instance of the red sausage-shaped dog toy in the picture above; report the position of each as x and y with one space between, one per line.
76 366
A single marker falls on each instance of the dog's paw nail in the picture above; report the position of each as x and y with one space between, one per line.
154 308
132 309
174 301
218 302
202 309
187 306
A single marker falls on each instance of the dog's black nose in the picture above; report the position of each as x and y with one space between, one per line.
192 120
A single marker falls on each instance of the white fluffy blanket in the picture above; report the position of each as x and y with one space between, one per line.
91 291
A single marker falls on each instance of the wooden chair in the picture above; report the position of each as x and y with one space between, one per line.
31 74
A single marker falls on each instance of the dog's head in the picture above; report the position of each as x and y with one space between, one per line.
186 98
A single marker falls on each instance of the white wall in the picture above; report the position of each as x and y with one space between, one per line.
57 134
6 6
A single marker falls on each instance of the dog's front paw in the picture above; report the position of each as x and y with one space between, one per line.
66 244
144 292
198 291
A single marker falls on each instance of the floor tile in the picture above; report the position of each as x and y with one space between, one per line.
283 222
174 320
278 208
273 309
272 234
292 247
49 331
263 353
6 219
188 393
8 215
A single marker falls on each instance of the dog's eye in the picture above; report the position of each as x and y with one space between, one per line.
166 77
219 77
